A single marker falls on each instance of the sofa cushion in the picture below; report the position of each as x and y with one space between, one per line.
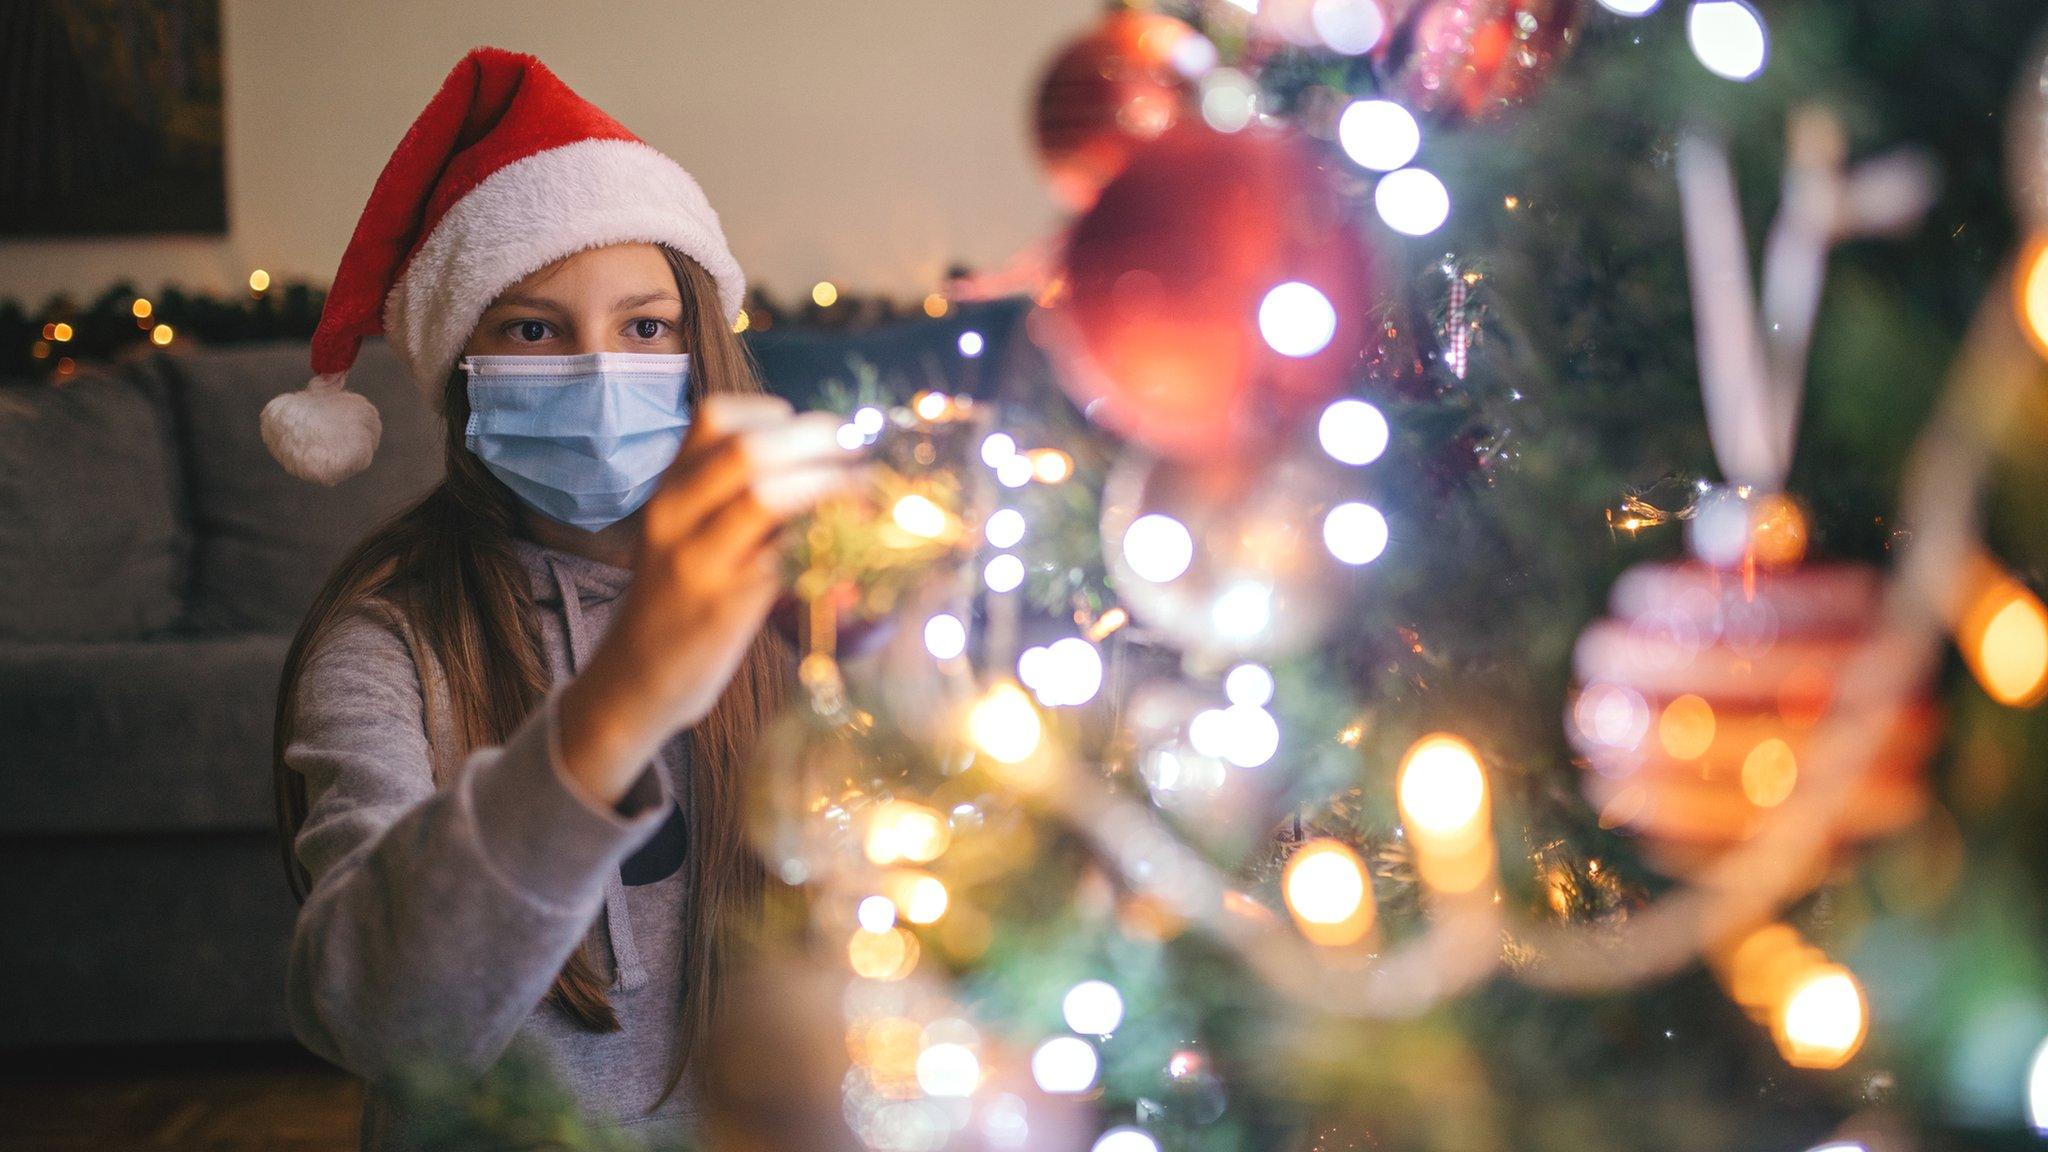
263 541
90 541
158 735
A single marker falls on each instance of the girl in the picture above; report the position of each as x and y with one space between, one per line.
510 728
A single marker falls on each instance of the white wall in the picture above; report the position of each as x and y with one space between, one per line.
872 142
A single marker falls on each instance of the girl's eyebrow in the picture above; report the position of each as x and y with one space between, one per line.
535 302
646 298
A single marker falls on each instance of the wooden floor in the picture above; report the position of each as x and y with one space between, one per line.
273 1098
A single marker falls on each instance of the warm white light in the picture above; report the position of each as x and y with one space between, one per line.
1412 201
1250 735
1822 1022
1630 7
921 899
1158 548
2037 1090
1243 610
1127 1139
920 517
869 420
996 448
1352 432
1003 573
1442 789
1015 471
1250 685
1728 36
1325 883
1065 1065
932 405
901 830
1093 1008
876 914
1355 533
1075 668
971 343
1378 134
945 637
1229 99
1297 320
948 1070
1004 528
849 437
1348 26
1004 724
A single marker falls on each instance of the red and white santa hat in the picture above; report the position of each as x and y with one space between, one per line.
505 172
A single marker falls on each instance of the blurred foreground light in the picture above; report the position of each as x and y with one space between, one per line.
2037 1090
1327 890
886 955
1355 533
2030 296
972 343
876 914
1823 1019
1728 37
1125 1140
1250 685
1630 7
945 637
931 405
161 335
948 1071
1229 99
918 897
996 448
1003 573
824 293
1004 724
1348 26
2003 635
1050 465
1352 432
935 305
1378 134
1297 319
1065 1066
1412 201
1158 547
259 280
1093 1008
1005 528
904 830
1442 789
920 517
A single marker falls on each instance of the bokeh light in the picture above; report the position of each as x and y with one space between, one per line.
1004 724
1065 1066
972 343
1412 201
1823 1019
1350 27
824 293
2003 635
1686 728
903 830
1003 573
1355 533
1378 134
1352 432
1249 684
1297 319
945 636
1728 37
1093 1008
1327 890
1158 547
1005 528
1442 789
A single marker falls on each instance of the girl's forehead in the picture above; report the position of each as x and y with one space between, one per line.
612 269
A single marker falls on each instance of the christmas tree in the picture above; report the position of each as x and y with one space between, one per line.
1493 611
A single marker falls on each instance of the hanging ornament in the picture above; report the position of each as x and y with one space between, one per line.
1218 292
1109 92
1467 60
1235 559
1698 698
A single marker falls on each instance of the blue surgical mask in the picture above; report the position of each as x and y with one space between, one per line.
583 439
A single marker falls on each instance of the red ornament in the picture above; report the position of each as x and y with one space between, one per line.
1469 59
1108 93
1166 334
1698 699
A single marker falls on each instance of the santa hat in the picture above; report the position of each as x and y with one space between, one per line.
505 172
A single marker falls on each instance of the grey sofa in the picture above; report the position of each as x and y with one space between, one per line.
154 562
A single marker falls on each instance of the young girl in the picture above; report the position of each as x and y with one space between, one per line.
510 728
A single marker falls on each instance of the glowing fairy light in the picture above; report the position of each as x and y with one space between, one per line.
920 517
997 447
972 343
1250 685
1327 890
1003 573
1093 1008
1004 724
901 830
2004 640
849 437
1630 7
1071 673
1127 1139
886 955
876 914
1728 37
1350 27
824 293
1686 727
2031 295
1065 1066
1005 528
1378 134
918 897
161 335
2037 1090
1412 201
1050 465
1229 99
141 308
948 1071
259 280
1243 610
1352 432
1823 1020
1355 533
945 636
1297 319
1769 773
935 305
1158 548
1015 471
1442 789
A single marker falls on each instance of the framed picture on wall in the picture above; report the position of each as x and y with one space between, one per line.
110 118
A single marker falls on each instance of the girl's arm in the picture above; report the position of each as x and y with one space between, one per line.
437 919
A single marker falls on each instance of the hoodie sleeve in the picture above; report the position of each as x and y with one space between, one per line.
438 918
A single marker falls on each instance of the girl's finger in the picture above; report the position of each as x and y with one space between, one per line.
704 478
731 534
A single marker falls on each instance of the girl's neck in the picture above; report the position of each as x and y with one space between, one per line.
614 544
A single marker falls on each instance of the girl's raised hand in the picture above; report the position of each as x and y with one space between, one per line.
707 571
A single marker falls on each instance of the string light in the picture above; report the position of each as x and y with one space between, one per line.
1065 1066
945 636
1158 548
918 897
971 343
1015 472
2003 635
1297 320
931 405
1129 1139
1355 533
889 955
948 1071
1004 725
2030 298
1686 728
876 914
903 830
1003 573
1093 1008
161 335
1378 134
1728 37
935 305
60 332
1250 685
1769 773
141 308
1630 7
997 447
920 517
1442 788
824 293
1005 528
1326 888
1050 465
259 280
1823 1021
1352 432
2037 1090
1412 201
1349 27
745 321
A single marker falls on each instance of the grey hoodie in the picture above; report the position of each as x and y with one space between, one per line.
440 914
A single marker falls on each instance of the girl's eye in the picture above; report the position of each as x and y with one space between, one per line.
648 328
528 331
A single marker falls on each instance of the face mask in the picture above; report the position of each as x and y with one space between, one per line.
583 439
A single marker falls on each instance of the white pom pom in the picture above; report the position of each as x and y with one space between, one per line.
322 432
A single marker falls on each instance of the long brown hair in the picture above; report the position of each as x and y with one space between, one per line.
448 565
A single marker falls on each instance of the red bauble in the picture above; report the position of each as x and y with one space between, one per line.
1469 59
1159 335
1105 95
